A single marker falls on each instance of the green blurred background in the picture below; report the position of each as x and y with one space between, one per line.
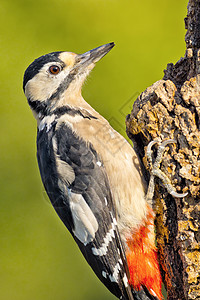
38 258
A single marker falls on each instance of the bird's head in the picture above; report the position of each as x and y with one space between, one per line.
50 77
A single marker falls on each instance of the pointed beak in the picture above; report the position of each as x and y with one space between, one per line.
93 55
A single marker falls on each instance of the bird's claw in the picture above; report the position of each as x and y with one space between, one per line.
156 172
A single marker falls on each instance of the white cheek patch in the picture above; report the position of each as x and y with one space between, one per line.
43 85
85 223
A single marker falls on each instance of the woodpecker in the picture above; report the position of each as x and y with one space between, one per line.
91 175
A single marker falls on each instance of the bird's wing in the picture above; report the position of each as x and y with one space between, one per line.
76 183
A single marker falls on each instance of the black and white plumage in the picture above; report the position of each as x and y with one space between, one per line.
87 177
76 183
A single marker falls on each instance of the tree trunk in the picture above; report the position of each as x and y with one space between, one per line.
170 109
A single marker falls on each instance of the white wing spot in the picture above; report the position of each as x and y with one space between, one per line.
99 163
104 274
49 127
114 221
113 218
108 238
85 223
125 280
66 172
69 191
41 126
114 276
46 121
106 202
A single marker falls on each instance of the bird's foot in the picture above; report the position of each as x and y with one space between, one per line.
156 172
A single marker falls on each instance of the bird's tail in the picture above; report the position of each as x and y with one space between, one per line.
143 294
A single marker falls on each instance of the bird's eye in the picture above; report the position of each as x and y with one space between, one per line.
54 70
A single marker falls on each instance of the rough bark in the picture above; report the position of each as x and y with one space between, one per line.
170 109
